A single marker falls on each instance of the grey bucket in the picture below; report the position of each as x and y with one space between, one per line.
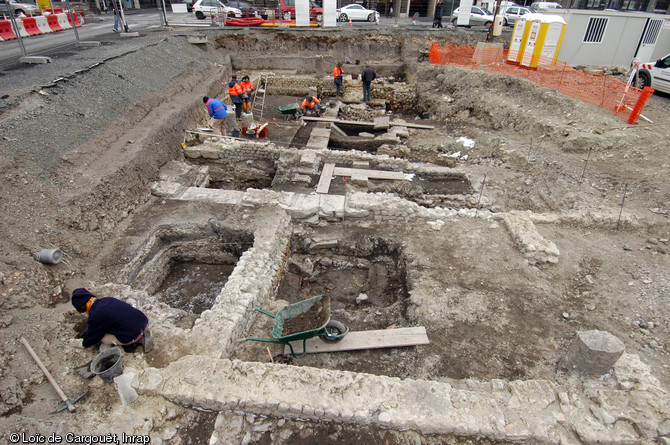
48 256
107 364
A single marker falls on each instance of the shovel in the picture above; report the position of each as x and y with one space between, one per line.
69 404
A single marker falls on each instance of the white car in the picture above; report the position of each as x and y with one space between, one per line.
207 8
27 9
356 12
545 6
655 75
478 16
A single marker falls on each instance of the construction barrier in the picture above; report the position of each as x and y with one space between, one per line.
54 10
613 95
54 24
84 11
6 30
19 29
76 21
43 24
63 21
30 25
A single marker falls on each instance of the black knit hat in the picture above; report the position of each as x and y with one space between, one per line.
80 297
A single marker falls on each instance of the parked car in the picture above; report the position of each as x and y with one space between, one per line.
287 10
512 13
545 6
188 3
207 8
247 8
655 75
29 9
478 16
356 12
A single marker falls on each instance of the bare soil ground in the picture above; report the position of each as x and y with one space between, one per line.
77 156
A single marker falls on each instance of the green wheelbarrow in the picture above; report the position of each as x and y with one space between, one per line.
288 321
289 111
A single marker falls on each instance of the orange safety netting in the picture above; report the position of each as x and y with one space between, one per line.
611 94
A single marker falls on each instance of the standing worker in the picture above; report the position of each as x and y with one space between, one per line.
337 77
439 12
247 91
218 111
367 76
111 321
235 91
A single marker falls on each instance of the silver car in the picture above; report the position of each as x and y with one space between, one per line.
29 9
512 13
478 16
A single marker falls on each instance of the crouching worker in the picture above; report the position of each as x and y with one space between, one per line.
309 105
111 321
218 112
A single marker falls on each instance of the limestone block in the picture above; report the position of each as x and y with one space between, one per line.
381 123
361 164
302 206
359 179
167 189
402 132
331 206
308 158
365 134
593 353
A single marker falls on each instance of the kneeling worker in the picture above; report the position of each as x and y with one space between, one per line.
112 321
310 104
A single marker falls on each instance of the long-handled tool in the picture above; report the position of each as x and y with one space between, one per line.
69 404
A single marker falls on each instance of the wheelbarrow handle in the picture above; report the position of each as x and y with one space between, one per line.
263 312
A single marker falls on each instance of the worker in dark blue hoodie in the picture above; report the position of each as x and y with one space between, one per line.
112 321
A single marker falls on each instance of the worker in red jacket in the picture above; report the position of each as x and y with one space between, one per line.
337 77
247 91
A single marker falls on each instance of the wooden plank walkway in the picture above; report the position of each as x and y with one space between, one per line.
324 180
383 338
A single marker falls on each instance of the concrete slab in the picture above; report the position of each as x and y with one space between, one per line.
35 59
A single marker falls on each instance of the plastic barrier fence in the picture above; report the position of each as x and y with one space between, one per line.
52 19
6 30
608 93
43 24
30 25
20 29
63 21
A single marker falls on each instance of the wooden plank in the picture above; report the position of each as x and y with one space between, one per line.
324 180
371 174
366 124
383 338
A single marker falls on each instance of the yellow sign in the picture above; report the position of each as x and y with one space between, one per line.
44 4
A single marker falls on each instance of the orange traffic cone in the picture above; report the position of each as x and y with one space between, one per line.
350 22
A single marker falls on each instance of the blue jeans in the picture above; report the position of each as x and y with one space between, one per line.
338 85
366 91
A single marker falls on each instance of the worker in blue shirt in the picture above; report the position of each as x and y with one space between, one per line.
218 111
111 321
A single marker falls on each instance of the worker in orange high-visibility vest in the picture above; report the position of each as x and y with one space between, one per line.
235 91
247 91
310 104
337 77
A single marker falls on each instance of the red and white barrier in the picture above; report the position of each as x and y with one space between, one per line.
19 29
6 30
63 21
52 19
30 25
43 24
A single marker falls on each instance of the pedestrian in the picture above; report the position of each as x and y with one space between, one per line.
439 12
367 76
235 91
218 112
337 77
118 16
112 321
247 92
390 11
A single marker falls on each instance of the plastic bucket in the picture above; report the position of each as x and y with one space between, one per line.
107 364
48 256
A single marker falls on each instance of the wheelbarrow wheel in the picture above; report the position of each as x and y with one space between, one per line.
334 331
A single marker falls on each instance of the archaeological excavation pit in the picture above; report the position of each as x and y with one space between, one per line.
187 266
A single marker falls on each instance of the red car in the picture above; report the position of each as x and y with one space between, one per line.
287 10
